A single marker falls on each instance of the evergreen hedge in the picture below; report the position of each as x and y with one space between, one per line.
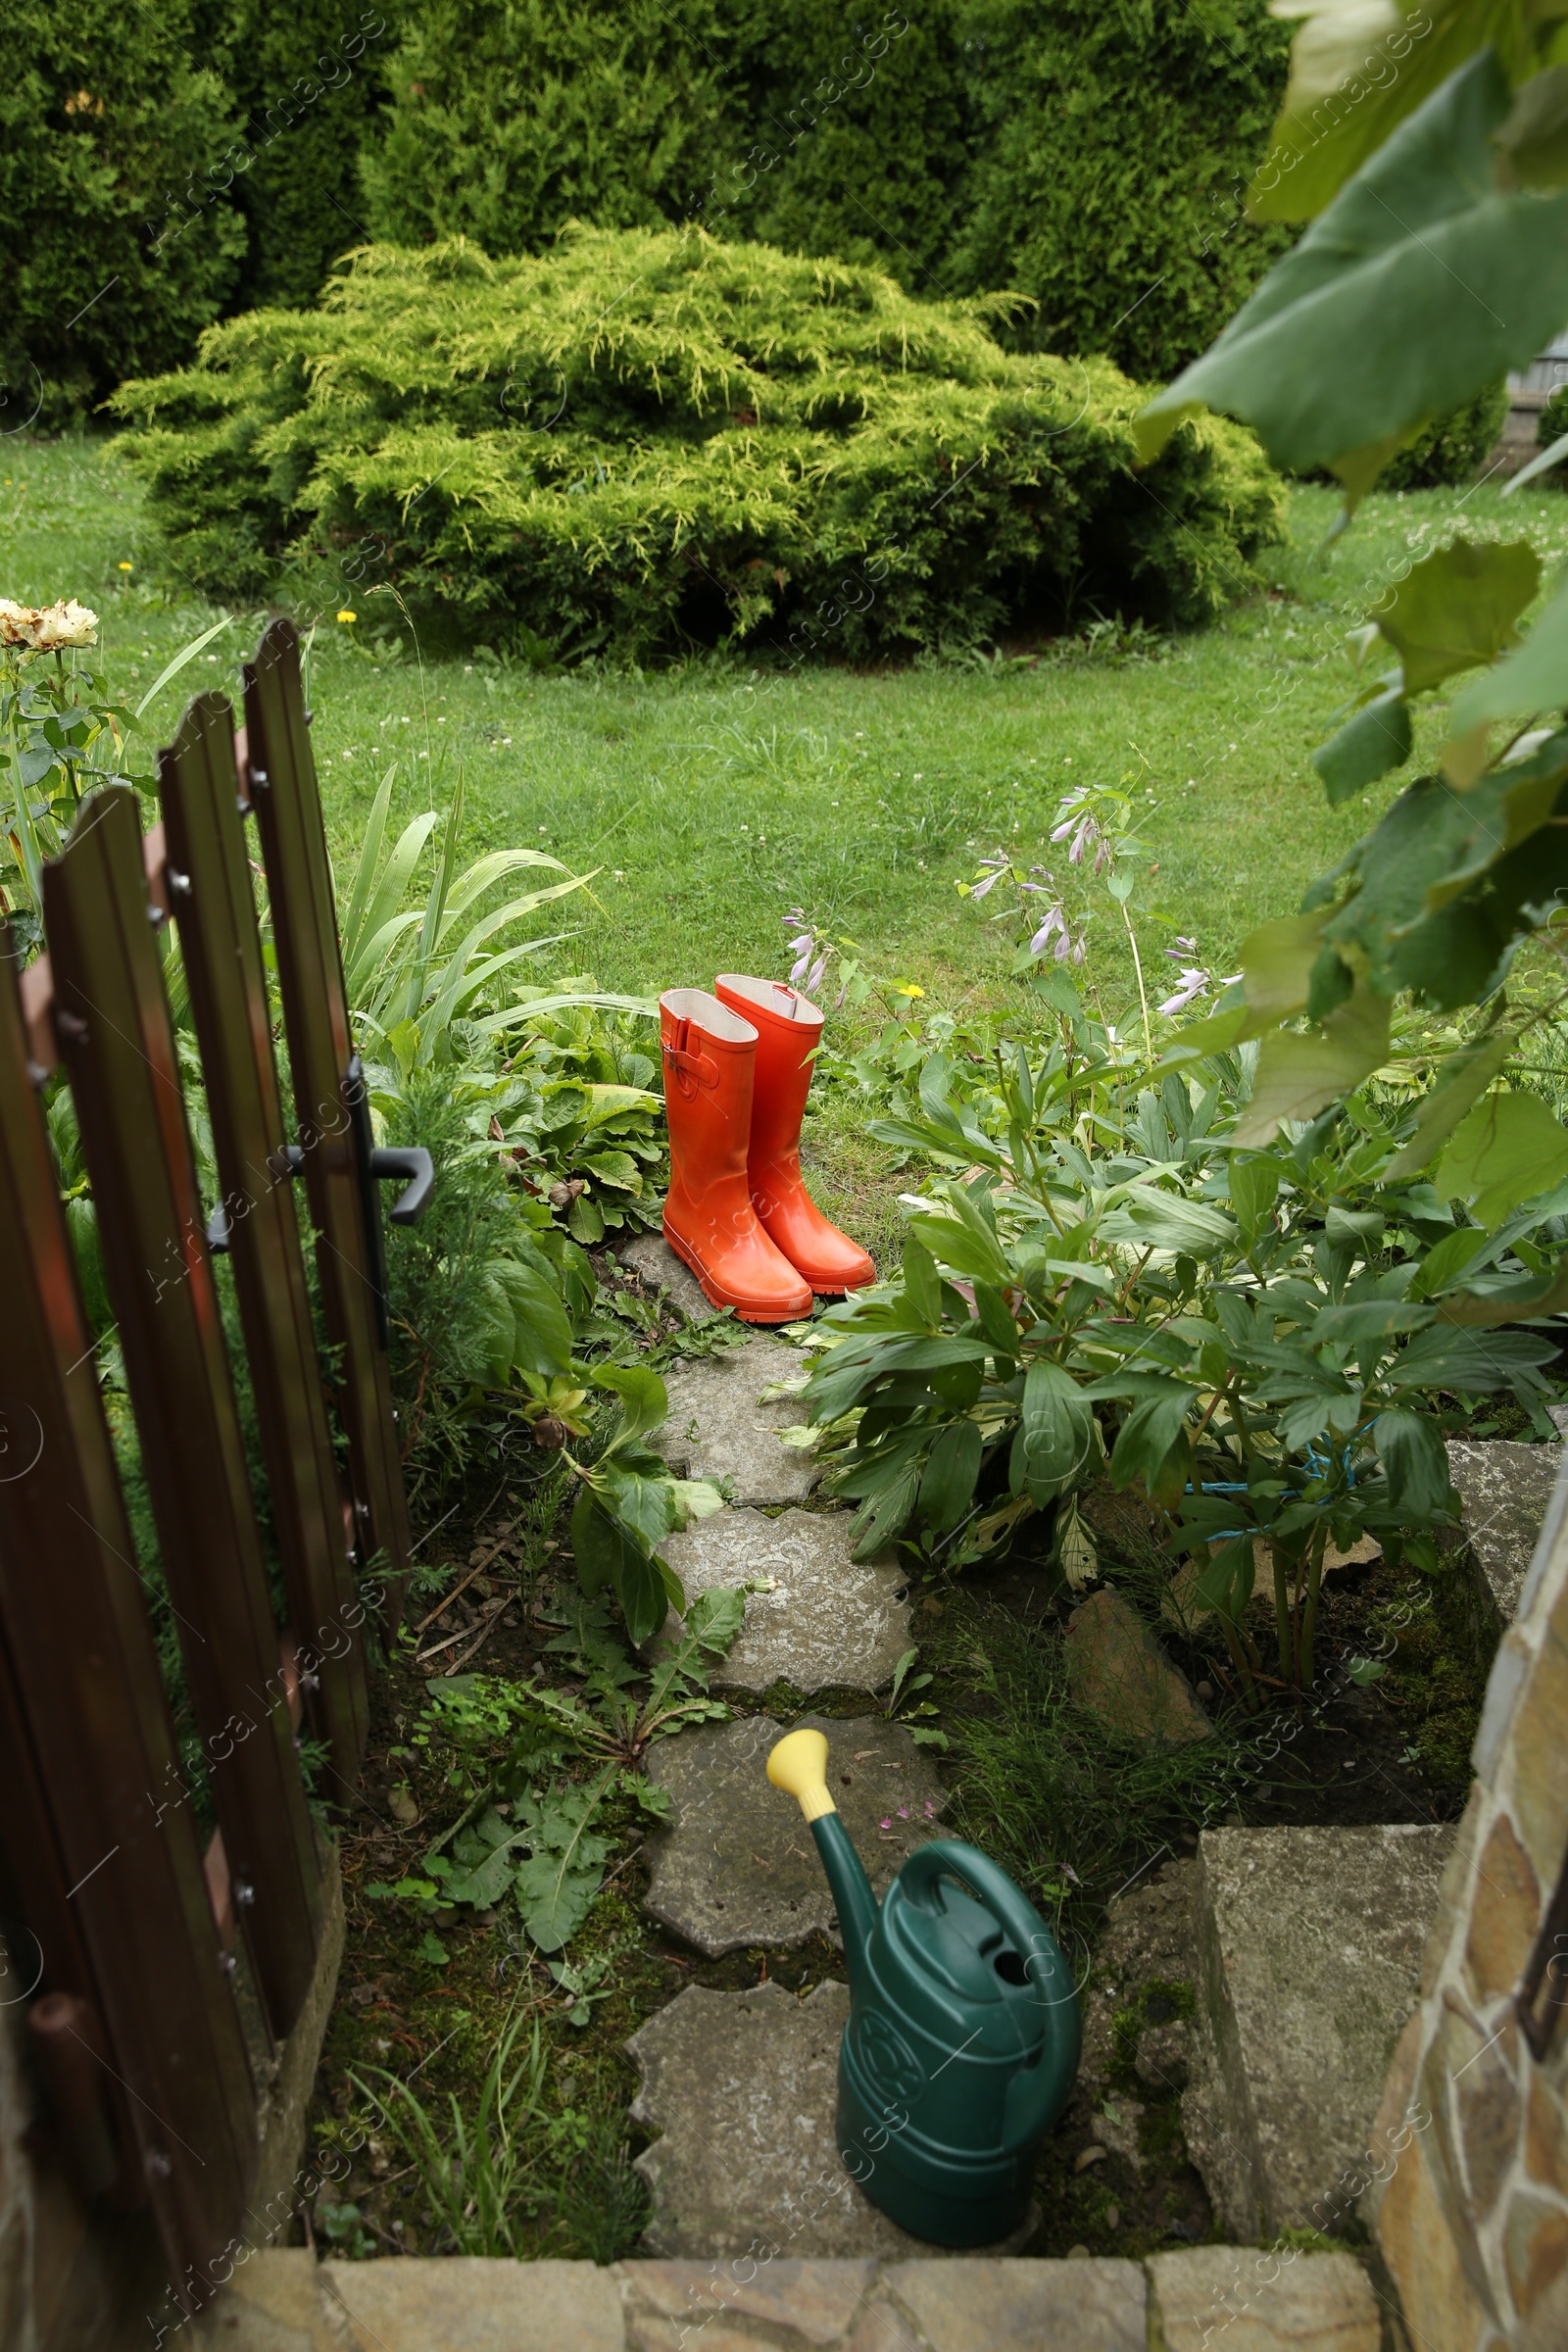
649 439
107 265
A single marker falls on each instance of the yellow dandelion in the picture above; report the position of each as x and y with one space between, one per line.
126 567
907 988
347 616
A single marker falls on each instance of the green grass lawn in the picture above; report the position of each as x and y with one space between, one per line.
713 799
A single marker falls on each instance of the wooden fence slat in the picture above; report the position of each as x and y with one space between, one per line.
280 774
122 1909
118 1045
208 884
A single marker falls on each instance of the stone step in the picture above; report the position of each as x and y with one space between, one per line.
742 2088
654 1263
1503 1489
283 2300
829 1620
720 1427
1310 1951
737 1865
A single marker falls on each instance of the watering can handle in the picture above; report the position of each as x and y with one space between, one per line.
1039 2095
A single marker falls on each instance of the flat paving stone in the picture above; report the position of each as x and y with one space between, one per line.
742 2088
1504 1488
737 1865
829 1620
1265 2302
720 1427
1309 1953
651 1258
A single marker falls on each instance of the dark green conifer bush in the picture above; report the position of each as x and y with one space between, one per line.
648 440
109 263
505 121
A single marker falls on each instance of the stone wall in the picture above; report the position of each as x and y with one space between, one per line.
1472 2212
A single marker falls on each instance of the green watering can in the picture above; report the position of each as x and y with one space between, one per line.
963 2035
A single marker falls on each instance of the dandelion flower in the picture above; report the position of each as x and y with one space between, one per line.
347 617
126 567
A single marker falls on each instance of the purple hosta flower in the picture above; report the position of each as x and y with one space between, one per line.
1192 983
804 946
1056 926
814 978
992 868
1086 829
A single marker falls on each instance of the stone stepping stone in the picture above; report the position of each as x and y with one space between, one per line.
743 2087
737 1865
1118 1672
1504 1488
831 1621
720 1427
651 1258
1309 1956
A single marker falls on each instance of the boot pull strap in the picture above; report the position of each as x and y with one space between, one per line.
690 1071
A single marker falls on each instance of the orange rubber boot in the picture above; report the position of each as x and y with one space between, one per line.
787 1029
710 1060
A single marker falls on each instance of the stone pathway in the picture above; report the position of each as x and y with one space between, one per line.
829 1620
654 1263
738 1866
283 2300
720 1427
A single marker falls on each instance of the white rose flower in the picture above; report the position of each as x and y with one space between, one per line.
65 623
38 631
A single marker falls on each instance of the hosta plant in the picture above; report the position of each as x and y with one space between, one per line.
1254 1340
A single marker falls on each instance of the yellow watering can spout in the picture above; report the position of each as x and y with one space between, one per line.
799 1766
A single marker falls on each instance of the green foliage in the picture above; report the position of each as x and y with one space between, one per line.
505 123
1340 357
1452 449
1108 147
1118 1295
107 119
648 439
308 83
973 145
529 1834
499 2161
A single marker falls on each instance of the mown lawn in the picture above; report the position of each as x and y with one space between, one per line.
713 799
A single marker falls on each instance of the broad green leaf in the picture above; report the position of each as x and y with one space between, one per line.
1377 739
1447 1263
1225 1580
1462 1078
922 1281
1254 1184
1334 360
541 1337
1057 1431
1151 1430
1534 678
1508 1148
1298 1074
1448 1357
1415 1462
1277 960
1157 1220
1457 609
715 1617
644 1398
946 1486
557 1884
640 1501
1357 68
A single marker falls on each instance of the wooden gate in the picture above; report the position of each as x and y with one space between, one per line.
132 1928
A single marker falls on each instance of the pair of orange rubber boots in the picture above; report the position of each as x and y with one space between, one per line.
737 1072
